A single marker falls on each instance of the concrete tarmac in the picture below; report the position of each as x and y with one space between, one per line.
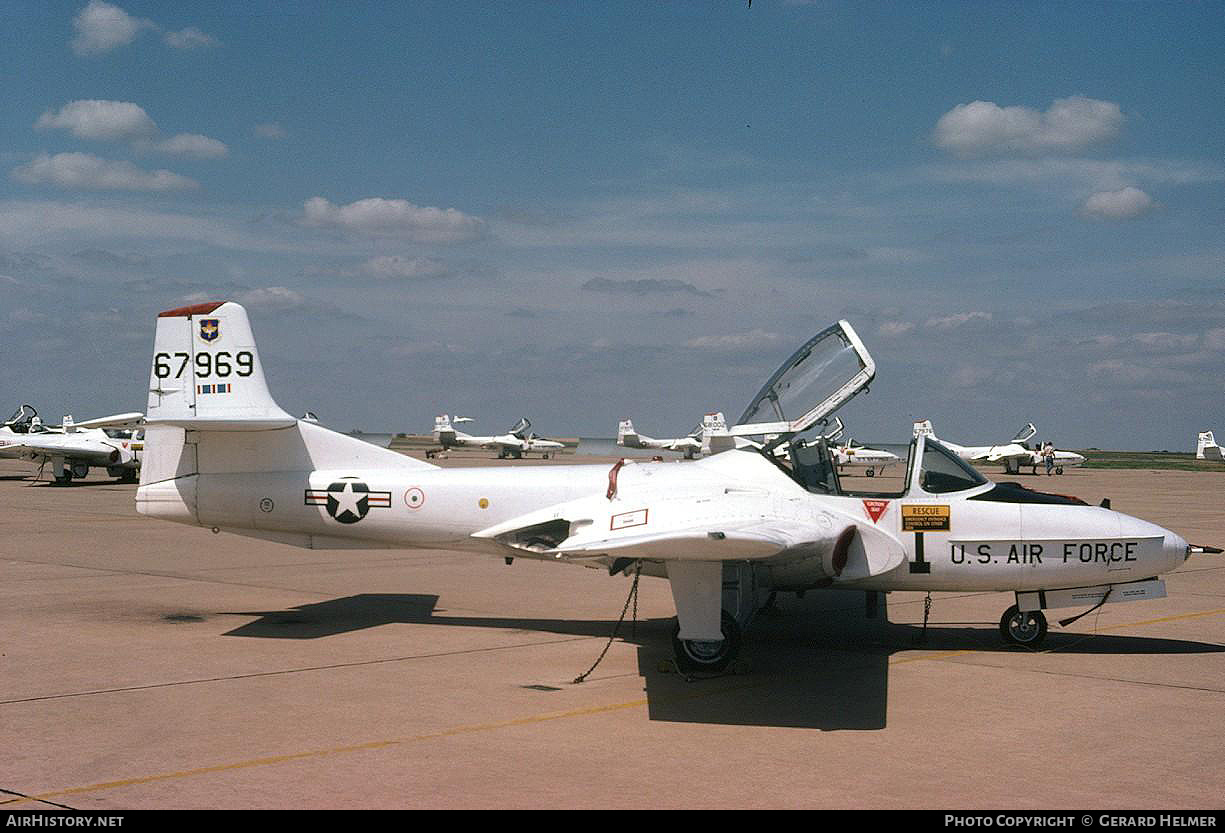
149 665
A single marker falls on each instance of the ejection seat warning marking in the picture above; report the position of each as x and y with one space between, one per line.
875 508
627 519
920 517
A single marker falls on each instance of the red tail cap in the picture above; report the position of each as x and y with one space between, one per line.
194 309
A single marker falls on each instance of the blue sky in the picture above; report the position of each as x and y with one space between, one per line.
581 212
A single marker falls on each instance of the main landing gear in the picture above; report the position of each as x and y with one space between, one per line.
713 600
1025 628
701 657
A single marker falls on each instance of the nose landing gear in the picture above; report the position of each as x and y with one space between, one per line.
1024 628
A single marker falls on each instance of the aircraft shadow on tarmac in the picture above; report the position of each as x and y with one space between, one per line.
815 663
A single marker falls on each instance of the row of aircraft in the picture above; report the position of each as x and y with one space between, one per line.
765 512
709 437
1012 455
72 448
515 443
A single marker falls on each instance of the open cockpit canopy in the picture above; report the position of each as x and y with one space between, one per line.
23 419
818 379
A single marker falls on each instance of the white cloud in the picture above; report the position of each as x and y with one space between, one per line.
970 376
271 297
752 338
1068 125
951 322
101 27
270 130
84 170
124 121
189 38
1075 174
396 217
895 328
104 120
193 145
1123 204
395 266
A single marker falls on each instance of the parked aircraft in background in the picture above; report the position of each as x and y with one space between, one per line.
852 456
722 530
514 443
73 447
690 446
1207 448
1013 455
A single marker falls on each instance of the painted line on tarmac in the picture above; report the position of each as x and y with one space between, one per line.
372 745
1176 617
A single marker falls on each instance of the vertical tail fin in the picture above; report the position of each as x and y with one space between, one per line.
1207 448
626 435
207 374
923 428
444 433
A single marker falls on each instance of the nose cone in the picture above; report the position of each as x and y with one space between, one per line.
1078 459
1175 549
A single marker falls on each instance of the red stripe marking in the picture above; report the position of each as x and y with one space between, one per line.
194 309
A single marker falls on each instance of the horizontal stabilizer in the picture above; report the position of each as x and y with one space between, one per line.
128 420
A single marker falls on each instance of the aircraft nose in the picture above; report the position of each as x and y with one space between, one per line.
1176 549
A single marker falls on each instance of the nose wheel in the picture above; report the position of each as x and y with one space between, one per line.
1025 628
697 656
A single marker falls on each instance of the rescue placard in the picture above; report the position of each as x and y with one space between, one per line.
925 518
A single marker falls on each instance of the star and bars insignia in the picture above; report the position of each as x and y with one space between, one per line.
348 500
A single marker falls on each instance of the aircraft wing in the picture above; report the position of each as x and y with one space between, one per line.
1006 452
91 451
729 525
130 420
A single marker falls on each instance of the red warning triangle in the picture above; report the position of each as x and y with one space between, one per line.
875 508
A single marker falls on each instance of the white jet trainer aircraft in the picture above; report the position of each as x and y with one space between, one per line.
690 445
220 453
516 442
1013 454
1207 448
852 456
73 447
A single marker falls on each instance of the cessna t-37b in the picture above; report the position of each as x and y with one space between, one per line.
72 448
1012 455
722 530
689 445
516 442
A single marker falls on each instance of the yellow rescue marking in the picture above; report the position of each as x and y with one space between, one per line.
919 517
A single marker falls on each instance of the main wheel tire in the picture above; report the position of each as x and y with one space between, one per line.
1027 629
707 657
